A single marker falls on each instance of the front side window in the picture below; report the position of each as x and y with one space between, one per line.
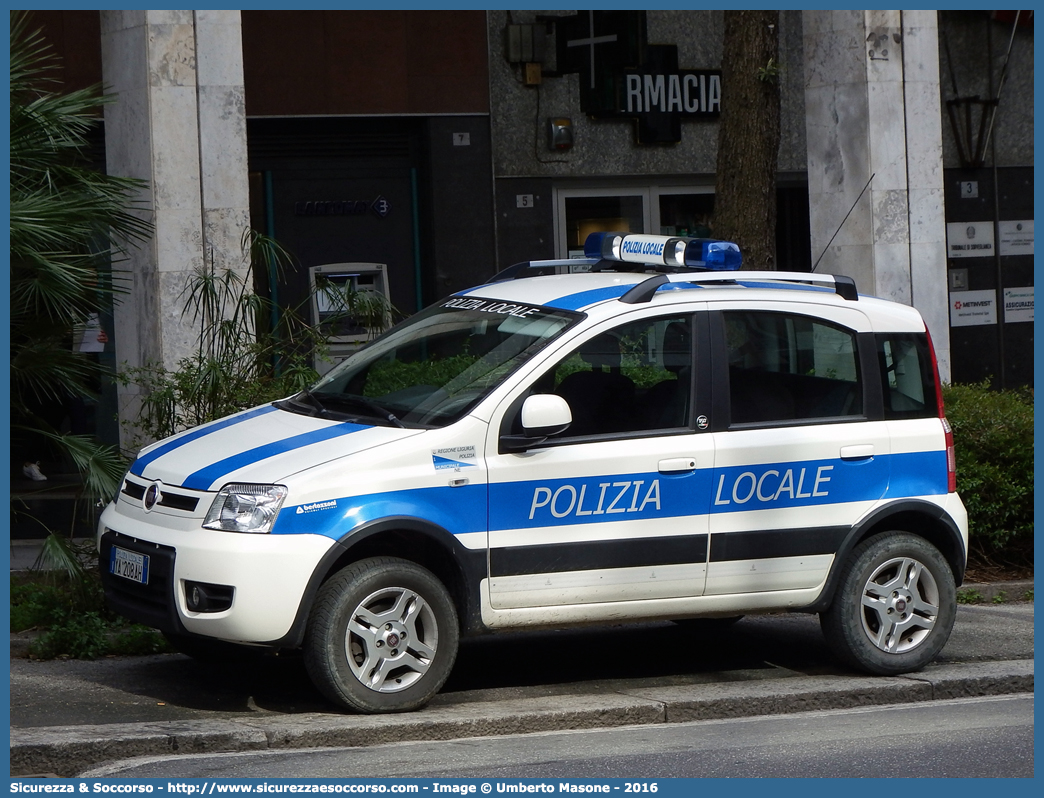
786 367
635 377
432 369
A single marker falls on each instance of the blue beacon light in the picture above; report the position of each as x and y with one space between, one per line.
694 253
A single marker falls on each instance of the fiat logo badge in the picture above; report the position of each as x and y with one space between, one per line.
153 495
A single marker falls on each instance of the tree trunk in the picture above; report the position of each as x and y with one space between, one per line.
748 136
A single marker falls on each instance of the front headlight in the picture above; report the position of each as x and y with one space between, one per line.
245 508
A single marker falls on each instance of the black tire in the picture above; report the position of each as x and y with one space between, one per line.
211 650
894 607
402 642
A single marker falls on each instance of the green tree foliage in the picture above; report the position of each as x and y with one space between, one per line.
993 438
69 222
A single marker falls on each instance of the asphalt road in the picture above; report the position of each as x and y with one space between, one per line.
978 738
599 659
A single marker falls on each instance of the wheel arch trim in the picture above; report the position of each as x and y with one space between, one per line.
469 566
930 521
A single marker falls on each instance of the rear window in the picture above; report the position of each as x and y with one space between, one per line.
908 382
787 367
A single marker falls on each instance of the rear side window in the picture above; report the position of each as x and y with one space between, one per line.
787 367
908 382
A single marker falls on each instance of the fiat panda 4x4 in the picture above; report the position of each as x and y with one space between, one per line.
644 433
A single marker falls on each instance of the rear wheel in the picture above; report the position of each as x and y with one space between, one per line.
382 636
895 605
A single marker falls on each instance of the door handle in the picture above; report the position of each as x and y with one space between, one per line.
857 451
677 465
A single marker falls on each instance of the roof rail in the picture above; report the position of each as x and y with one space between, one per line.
844 287
539 268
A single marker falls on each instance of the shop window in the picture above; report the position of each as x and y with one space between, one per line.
686 214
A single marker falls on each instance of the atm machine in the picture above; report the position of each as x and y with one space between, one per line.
350 305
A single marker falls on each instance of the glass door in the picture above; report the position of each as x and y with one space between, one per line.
581 212
657 209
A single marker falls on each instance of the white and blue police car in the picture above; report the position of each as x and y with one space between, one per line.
644 433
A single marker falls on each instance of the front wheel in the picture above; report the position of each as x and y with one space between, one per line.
895 605
382 636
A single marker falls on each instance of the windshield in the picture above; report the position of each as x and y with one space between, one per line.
432 369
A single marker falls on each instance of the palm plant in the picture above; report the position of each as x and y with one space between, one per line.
248 351
69 222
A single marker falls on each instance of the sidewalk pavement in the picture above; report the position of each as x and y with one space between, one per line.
989 654
68 751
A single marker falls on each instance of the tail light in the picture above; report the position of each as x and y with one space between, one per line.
951 455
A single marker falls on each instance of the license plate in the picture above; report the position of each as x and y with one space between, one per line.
129 565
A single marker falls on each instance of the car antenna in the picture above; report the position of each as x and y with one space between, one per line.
838 230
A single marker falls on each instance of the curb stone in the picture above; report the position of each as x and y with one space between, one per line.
1009 592
71 751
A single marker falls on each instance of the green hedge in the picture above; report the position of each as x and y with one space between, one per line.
993 437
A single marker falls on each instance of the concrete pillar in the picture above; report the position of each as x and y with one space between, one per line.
873 107
179 123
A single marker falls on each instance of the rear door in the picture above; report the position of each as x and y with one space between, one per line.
797 462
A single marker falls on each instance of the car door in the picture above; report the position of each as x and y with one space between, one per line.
797 459
614 509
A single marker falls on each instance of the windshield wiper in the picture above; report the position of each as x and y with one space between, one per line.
375 409
372 408
322 407
316 406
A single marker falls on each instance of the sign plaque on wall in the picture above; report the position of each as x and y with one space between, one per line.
973 308
969 239
1016 238
1018 304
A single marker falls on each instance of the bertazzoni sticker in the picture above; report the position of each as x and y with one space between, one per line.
455 457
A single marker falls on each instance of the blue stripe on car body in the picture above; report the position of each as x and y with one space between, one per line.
457 510
583 500
585 298
205 477
139 465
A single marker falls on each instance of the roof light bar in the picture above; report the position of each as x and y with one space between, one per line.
671 251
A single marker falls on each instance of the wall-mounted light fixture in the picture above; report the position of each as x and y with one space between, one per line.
559 133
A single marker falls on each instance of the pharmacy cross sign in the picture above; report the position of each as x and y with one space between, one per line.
623 76
590 42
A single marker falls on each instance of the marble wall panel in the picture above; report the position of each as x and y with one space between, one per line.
175 151
179 240
220 50
172 55
891 216
927 217
892 271
179 334
223 150
223 232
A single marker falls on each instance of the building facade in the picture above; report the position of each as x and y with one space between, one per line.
447 145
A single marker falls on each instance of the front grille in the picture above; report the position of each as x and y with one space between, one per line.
168 498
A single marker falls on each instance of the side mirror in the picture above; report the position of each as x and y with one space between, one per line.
543 415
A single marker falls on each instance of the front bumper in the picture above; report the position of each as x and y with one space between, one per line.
269 574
